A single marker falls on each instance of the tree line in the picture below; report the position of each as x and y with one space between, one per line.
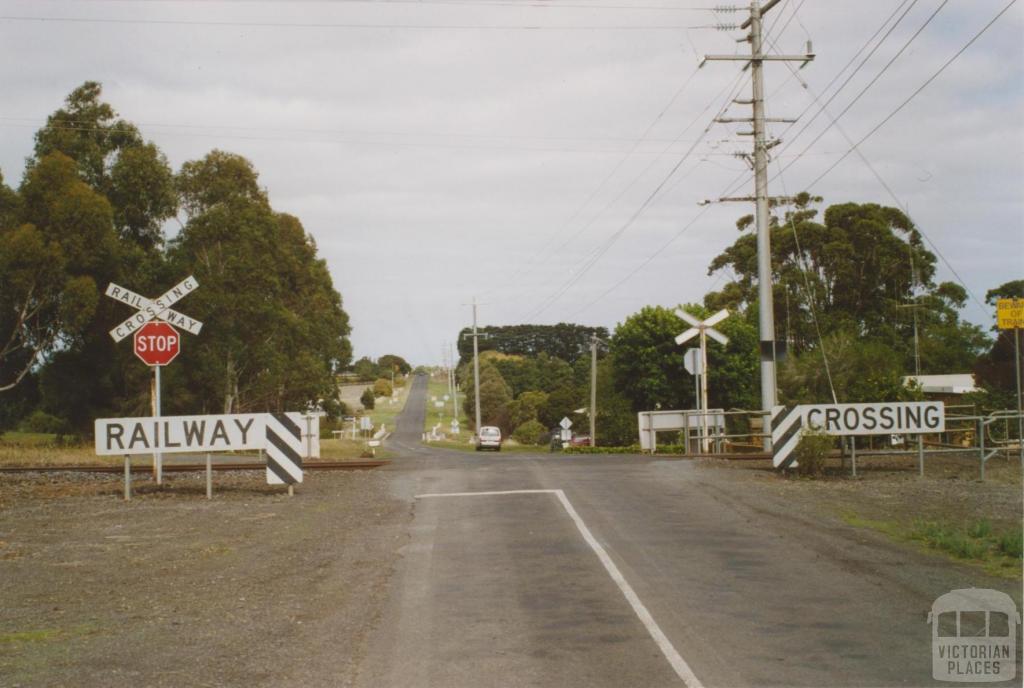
93 207
849 289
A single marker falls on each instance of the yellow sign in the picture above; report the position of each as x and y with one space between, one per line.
1010 313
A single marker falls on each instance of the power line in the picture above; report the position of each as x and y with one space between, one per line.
363 142
42 121
351 25
546 5
892 194
590 258
835 78
586 203
871 83
602 249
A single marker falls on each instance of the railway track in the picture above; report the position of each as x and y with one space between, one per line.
189 467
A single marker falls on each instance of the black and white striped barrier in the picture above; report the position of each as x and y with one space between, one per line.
284 448
787 427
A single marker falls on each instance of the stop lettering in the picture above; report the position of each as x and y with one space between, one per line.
157 343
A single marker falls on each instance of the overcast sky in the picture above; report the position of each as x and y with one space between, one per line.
441 149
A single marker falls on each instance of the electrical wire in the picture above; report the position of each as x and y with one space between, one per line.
602 249
546 250
871 83
351 25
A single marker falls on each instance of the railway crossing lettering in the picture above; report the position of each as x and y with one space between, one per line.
841 420
278 434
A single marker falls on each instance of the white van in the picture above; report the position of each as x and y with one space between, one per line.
489 437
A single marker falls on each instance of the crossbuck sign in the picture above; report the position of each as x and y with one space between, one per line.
156 309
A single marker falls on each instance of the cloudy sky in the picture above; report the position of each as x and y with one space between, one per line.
546 156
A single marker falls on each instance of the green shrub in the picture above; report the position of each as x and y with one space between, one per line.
43 422
382 388
961 544
531 432
367 399
1011 544
980 529
632 449
811 452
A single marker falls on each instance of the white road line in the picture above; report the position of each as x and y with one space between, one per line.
679 664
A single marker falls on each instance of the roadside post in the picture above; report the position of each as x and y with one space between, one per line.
1010 316
920 456
209 476
566 433
155 343
127 477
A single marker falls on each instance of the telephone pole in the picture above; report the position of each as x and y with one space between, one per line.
593 389
476 367
766 315
451 382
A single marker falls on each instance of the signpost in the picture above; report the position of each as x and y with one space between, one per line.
155 343
705 328
693 364
566 434
1010 316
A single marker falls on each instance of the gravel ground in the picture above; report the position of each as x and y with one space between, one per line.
253 588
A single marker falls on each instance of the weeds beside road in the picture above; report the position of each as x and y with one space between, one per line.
949 511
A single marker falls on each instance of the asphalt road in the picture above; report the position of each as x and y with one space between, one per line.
639 572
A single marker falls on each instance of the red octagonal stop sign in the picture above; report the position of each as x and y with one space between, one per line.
157 343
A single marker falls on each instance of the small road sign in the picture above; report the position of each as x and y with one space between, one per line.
692 361
157 343
566 423
1010 314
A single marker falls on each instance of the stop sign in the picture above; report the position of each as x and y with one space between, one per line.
157 343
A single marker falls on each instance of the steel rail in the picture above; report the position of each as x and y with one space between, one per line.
194 467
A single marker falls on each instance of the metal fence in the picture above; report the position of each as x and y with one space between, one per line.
972 435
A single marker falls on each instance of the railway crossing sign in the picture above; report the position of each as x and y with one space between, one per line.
278 434
842 420
156 309
157 343
704 328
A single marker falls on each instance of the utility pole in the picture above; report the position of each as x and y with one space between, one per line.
593 390
476 367
451 382
766 315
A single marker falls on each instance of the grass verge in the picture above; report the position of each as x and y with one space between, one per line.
997 550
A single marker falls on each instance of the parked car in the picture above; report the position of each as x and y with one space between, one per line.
579 441
489 437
